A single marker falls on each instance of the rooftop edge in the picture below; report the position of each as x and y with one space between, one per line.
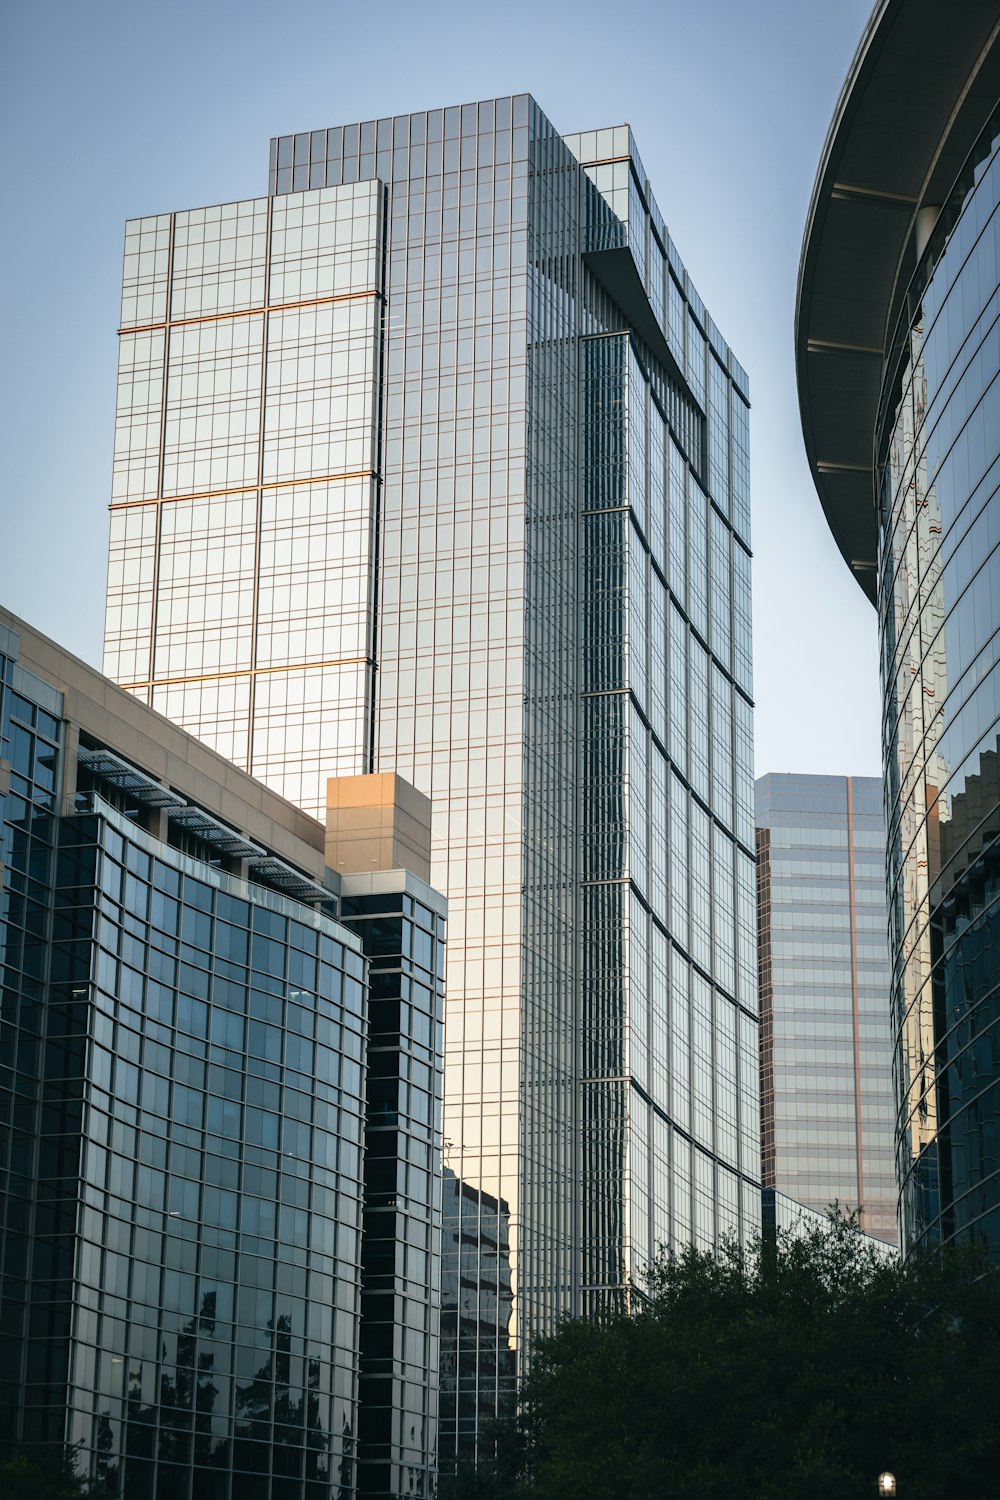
920 88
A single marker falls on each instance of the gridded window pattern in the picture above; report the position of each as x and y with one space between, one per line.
131 590
939 607
245 487
182 1091
670 968
458 453
136 473
146 271
211 432
41 1036
593 833
313 593
451 588
319 395
221 705
826 1033
400 1298
218 260
205 593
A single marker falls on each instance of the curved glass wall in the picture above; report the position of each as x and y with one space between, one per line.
940 623
187 1106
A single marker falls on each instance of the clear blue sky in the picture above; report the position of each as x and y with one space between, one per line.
114 108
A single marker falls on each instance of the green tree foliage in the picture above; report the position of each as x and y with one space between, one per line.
802 1373
42 1473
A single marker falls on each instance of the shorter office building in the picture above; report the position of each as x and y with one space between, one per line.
782 1220
476 1304
827 1104
185 1076
781 1215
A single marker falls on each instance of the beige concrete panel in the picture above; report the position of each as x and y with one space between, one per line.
377 822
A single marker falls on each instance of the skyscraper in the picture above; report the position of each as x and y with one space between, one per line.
897 365
433 461
825 1029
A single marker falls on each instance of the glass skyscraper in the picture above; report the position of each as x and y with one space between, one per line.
899 357
825 1028
433 461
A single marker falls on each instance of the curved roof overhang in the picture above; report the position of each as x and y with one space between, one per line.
922 85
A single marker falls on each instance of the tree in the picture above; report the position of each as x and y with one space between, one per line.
799 1374
41 1472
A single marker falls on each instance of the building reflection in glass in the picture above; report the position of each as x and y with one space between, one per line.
940 610
185 1264
477 1336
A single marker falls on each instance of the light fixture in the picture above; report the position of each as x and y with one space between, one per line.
886 1483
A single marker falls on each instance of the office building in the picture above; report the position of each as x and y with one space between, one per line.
783 1216
783 1219
477 1299
432 461
826 1105
185 1076
897 366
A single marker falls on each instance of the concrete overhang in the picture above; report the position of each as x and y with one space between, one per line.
618 274
923 83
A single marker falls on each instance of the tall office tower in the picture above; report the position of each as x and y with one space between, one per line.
826 1108
191 1294
432 461
897 366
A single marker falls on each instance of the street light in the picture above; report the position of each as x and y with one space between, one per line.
887 1483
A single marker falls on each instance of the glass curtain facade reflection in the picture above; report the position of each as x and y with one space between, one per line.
181 1243
403 938
898 351
940 605
552 440
219 1221
825 1031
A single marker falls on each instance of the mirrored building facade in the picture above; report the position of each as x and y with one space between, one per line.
899 358
186 1093
402 930
825 1032
433 461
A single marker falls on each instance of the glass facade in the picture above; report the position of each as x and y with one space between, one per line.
534 597
939 455
403 937
244 495
189 1122
784 1220
825 1027
477 1303
783 1216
